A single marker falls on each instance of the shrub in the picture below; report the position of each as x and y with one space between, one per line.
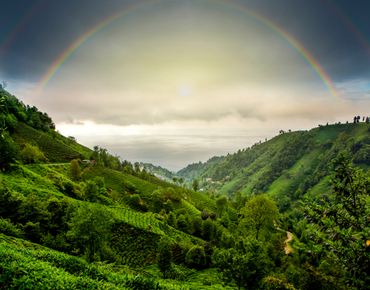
196 258
9 229
32 154
135 200
75 169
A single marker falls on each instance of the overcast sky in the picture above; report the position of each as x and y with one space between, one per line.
177 82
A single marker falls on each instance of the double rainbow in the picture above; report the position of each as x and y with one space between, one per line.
240 9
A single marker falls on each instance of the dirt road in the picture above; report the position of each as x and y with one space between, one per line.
287 248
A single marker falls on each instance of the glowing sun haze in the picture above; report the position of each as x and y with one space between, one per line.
181 81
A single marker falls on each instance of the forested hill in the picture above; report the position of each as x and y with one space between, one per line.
291 164
159 171
78 218
192 171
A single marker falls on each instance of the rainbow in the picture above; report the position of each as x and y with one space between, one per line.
235 7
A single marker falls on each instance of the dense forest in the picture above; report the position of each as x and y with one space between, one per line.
289 213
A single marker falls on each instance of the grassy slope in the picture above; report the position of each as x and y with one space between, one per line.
32 266
296 172
119 182
318 138
59 149
134 241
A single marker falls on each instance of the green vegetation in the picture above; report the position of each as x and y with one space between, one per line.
103 223
341 227
193 170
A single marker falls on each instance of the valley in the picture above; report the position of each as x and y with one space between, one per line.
265 217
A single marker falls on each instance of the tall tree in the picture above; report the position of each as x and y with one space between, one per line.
208 229
90 228
75 169
195 185
341 227
246 264
221 204
259 212
181 181
137 166
32 154
164 257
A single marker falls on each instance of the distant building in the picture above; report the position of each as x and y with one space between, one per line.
208 179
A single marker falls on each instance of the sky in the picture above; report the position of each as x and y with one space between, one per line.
177 82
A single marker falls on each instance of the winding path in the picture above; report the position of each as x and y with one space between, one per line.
287 248
290 237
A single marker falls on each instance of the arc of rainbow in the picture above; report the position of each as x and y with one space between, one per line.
303 52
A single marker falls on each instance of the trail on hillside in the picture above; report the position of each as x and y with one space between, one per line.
287 248
88 167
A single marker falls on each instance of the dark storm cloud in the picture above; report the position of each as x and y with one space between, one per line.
323 28
316 24
336 33
32 39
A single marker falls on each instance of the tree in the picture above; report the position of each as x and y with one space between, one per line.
195 185
168 206
246 264
90 228
11 122
71 139
32 154
208 229
91 191
170 194
172 220
135 200
75 169
341 227
196 258
227 240
137 166
174 180
181 181
164 256
221 204
182 224
8 152
225 220
197 226
157 200
259 212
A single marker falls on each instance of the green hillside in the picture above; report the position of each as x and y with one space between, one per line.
159 171
290 165
103 223
192 171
